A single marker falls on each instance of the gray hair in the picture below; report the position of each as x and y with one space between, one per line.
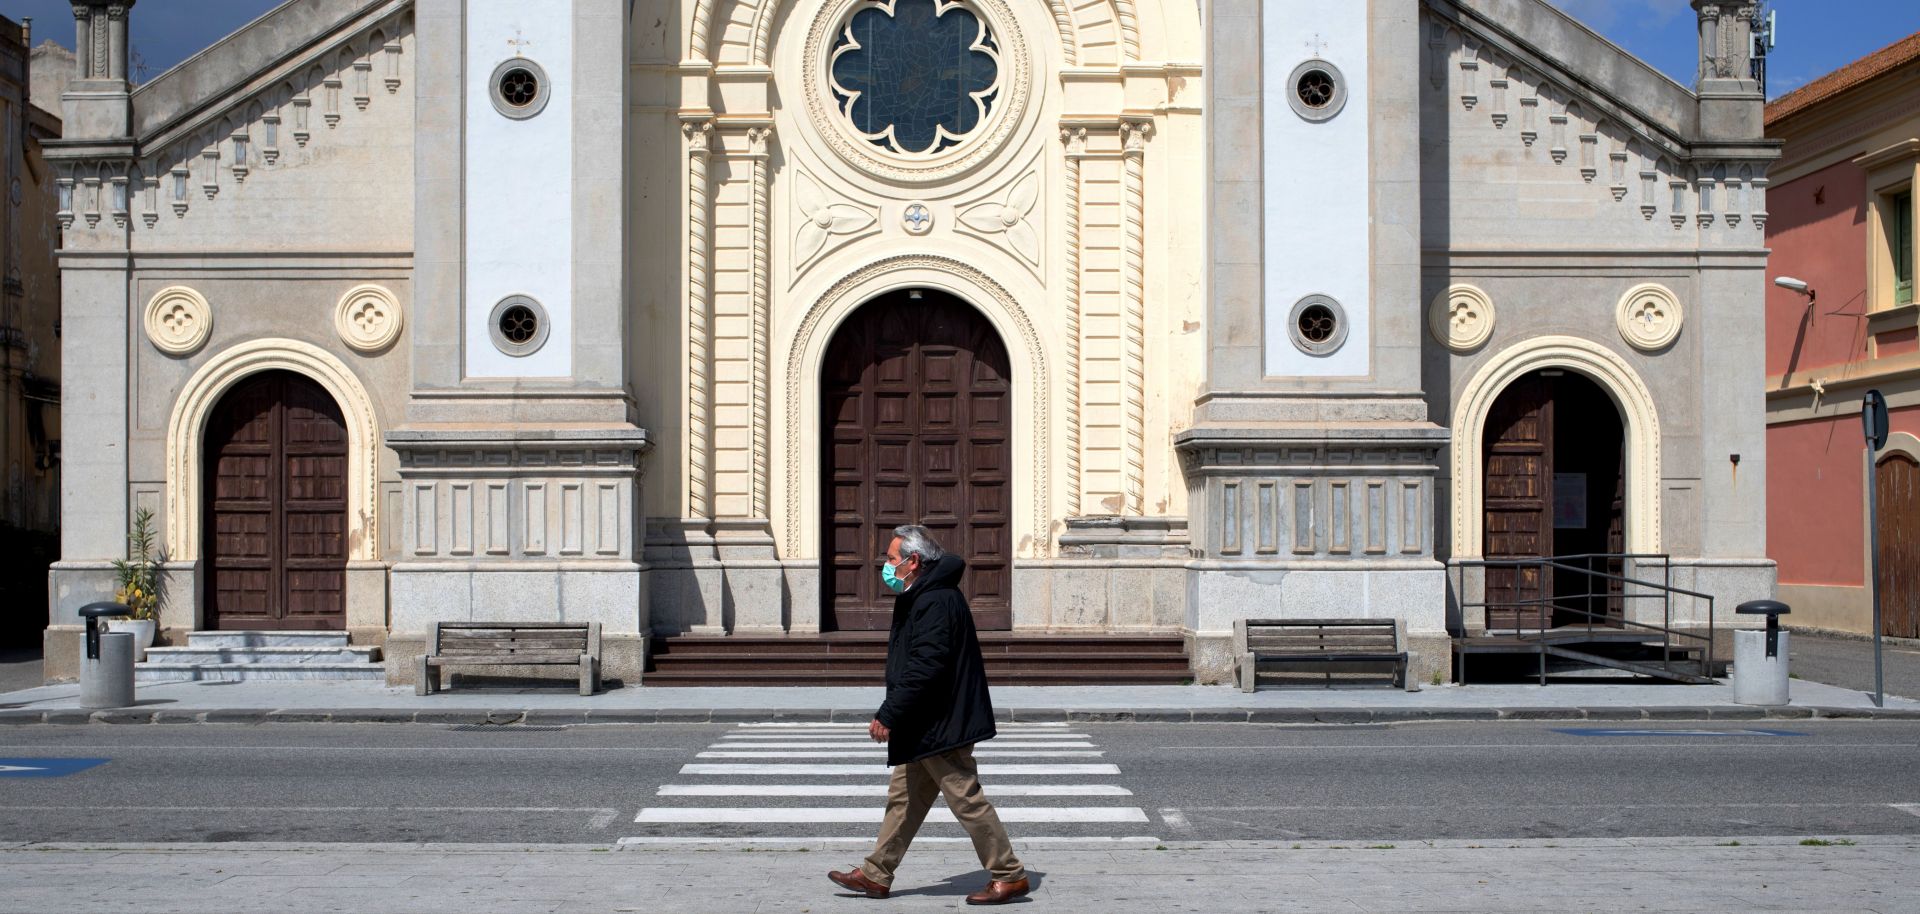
917 540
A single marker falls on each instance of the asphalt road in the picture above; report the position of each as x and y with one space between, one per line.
676 784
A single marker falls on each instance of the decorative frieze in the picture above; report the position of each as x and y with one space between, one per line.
535 496
1312 497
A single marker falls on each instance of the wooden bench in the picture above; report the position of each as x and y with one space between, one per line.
1323 641
511 644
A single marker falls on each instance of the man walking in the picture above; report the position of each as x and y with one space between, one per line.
937 707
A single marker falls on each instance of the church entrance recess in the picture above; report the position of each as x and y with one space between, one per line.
916 400
275 507
1555 487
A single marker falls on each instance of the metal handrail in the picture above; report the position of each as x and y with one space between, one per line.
1663 591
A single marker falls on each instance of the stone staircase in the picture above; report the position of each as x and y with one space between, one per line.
237 656
860 659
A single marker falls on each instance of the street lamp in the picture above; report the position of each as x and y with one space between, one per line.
1799 287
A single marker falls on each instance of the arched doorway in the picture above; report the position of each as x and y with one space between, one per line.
1553 462
916 427
274 502
1897 488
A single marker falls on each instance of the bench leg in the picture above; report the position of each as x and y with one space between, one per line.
589 674
1249 673
424 676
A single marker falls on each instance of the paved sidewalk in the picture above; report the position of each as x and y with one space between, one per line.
1873 874
372 702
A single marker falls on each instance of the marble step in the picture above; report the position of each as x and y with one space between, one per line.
301 654
267 639
239 672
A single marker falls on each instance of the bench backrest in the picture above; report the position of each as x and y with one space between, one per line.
533 641
1327 636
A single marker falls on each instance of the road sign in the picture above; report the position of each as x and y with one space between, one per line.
1873 419
46 767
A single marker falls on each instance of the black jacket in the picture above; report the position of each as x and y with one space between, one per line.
937 697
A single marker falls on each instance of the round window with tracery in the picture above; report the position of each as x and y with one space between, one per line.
1317 325
915 77
518 325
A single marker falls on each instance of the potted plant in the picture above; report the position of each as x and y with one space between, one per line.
139 584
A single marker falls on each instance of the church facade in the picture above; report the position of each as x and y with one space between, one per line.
662 314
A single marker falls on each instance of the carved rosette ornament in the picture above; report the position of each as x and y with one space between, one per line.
1649 316
178 320
821 218
1010 215
368 318
1461 318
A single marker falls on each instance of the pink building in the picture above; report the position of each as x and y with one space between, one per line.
1841 214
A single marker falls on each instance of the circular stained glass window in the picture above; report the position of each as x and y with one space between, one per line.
915 77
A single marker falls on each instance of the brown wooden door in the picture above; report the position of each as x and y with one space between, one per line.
915 403
1518 499
1897 479
276 507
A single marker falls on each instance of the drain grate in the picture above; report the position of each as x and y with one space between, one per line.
500 728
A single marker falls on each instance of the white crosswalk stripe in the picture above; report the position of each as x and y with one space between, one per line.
761 782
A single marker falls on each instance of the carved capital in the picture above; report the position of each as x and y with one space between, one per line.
699 135
1134 135
1075 139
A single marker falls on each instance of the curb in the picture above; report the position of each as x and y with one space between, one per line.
539 717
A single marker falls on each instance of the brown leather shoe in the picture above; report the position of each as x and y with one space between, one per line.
999 892
854 880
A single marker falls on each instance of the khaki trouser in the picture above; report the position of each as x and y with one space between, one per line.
910 795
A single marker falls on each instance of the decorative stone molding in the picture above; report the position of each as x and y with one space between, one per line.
1461 318
916 218
821 218
1010 215
202 392
178 320
368 318
1640 418
528 83
1001 308
1649 317
1012 95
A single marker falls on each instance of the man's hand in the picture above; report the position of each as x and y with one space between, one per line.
878 731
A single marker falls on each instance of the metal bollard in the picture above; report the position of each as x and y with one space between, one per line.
1760 657
106 681
106 661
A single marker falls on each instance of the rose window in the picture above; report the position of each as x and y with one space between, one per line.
915 77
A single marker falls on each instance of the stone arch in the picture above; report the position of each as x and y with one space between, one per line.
706 35
1032 495
1637 412
202 393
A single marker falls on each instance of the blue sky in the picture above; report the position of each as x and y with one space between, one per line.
1816 36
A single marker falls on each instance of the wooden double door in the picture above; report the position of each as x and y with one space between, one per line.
1553 466
916 403
1897 488
275 512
